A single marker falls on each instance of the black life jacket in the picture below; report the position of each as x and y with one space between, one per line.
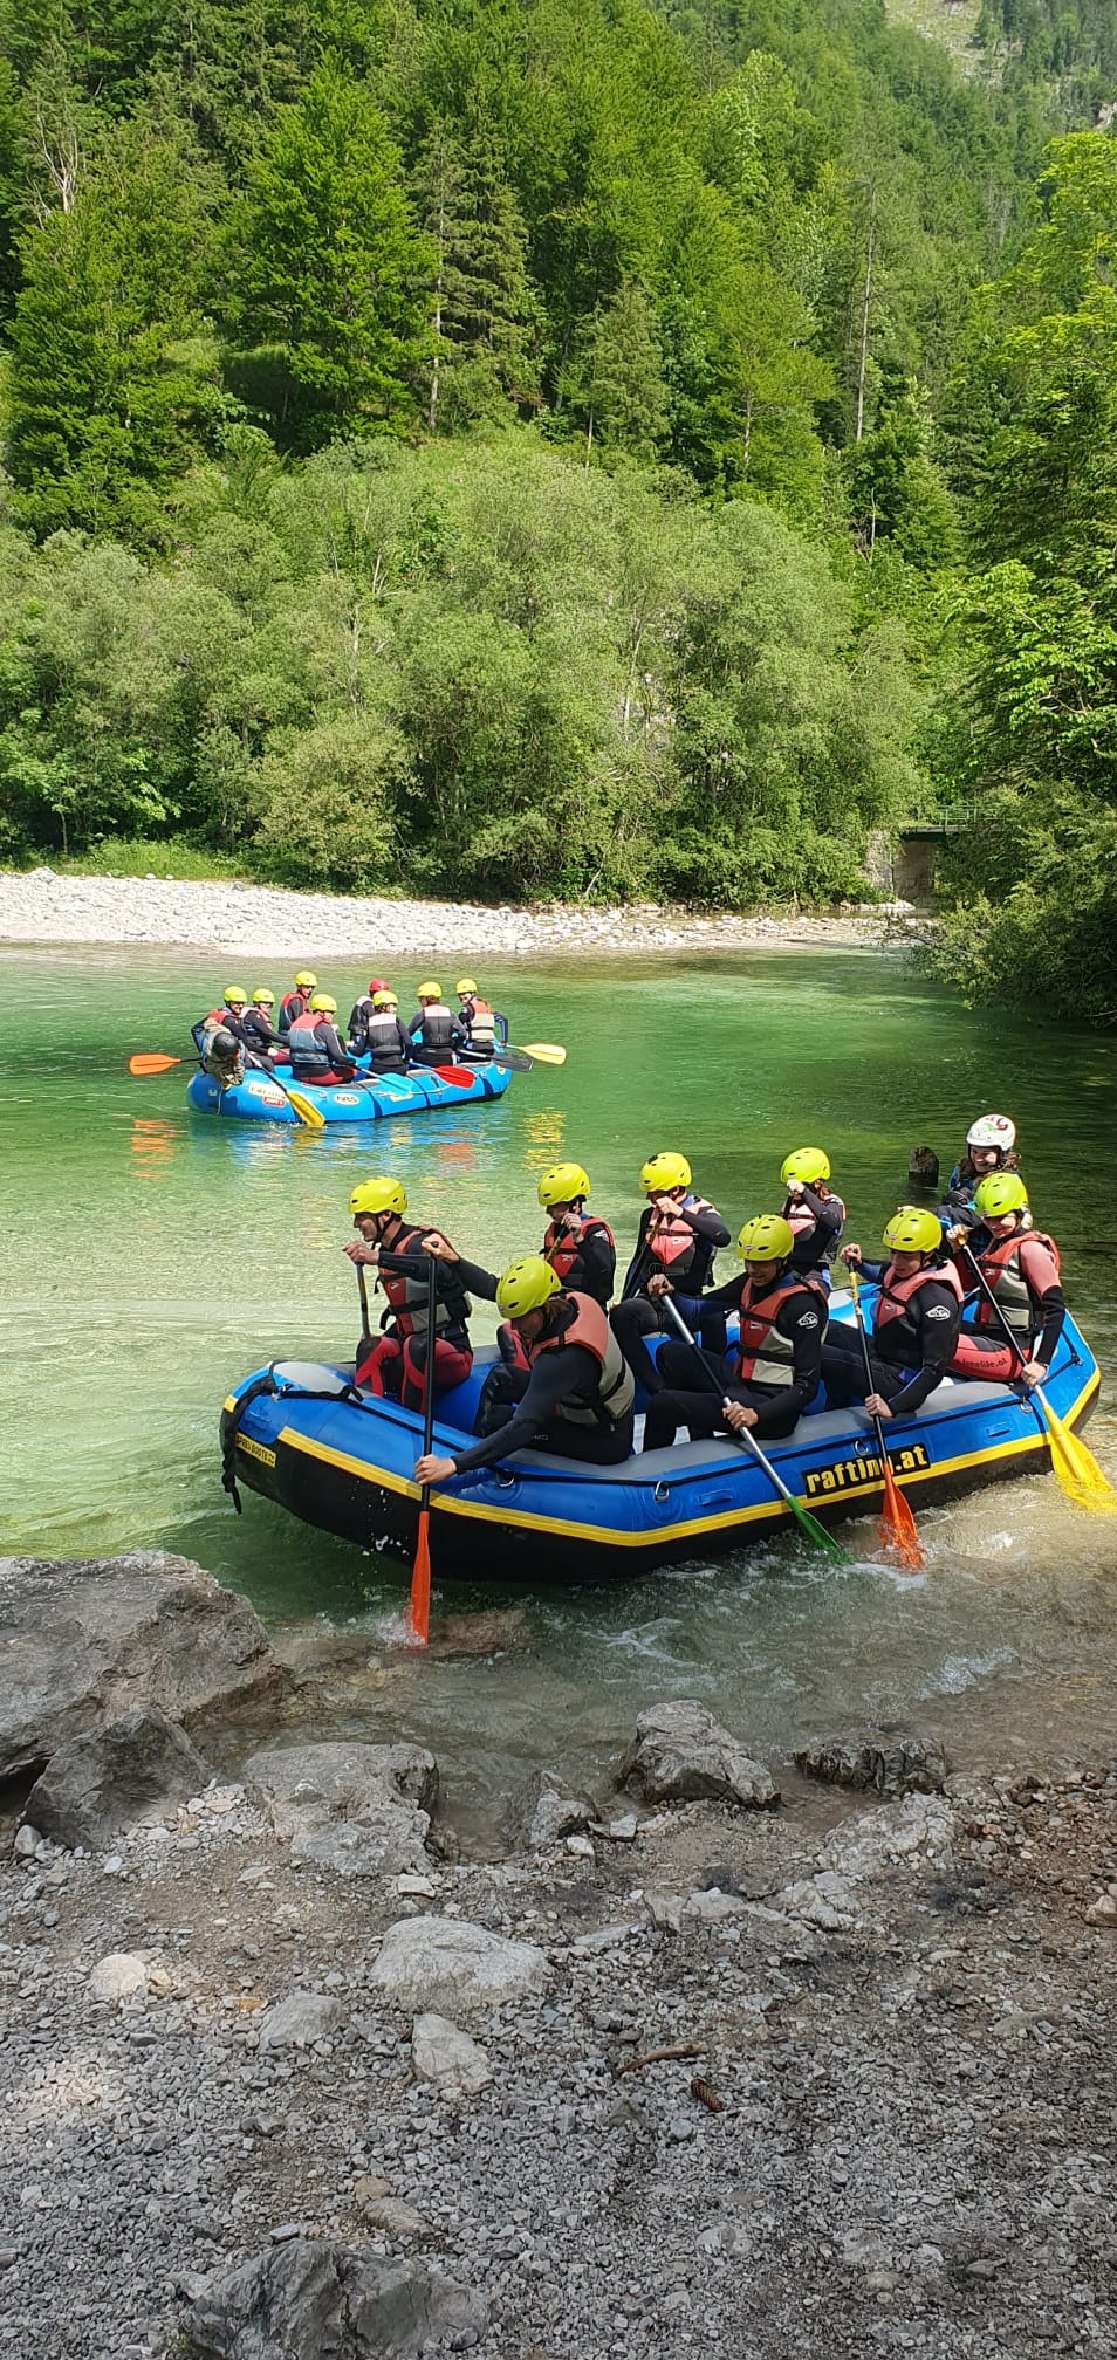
310 1059
408 1297
562 1248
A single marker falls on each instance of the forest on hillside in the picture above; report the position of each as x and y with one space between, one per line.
530 447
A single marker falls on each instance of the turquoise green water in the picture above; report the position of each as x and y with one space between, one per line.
154 1256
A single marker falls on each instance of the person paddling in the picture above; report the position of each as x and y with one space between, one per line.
815 1212
578 1394
361 1013
480 1022
678 1237
399 1250
229 1018
772 1374
1020 1266
990 1147
385 1040
916 1323
295 1003
258 1033
435 1032
317 1052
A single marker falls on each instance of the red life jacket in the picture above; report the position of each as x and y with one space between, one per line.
293 1005
480 1021
764 1355
799 1216
672 1242
1019 1269
308 1052
589 1326
408 1298
897 1294
563 1248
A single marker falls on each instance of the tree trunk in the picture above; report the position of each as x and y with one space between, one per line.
866 306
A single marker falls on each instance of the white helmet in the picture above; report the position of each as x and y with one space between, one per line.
992 1130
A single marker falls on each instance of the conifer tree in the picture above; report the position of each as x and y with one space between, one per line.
484 311
615 380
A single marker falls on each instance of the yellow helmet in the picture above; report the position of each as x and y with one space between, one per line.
525 1286
236 996
807 1164
767 1238
913 1230
263 999
664 1172
465 983
305 981
381 1194
323 1004
429 990
385 1000
562 1184
1000 1193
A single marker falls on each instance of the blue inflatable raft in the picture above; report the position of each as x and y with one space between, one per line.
421 1090
298 1434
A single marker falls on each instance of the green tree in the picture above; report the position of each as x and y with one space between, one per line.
325 270
485 316
614 384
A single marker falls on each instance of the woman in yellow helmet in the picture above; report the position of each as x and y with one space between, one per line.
318 1053
434 1031
915 1325
679 1235
772 1375
1020 1266
816 1213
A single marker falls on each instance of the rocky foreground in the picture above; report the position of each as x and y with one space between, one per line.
39 906
696 2069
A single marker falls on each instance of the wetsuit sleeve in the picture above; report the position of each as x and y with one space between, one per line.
939 1319
404 1039
828 1215
1042 1276
873 1272
804 1323
476 1280
641 1266
335 1048
556 1377
599 1264
706 1221
716 1308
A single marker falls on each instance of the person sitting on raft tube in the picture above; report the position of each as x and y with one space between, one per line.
578 1393
679 1235
482 1025
257 1030
361 1012
317 1052
394 1364
223 1057
990 1147
816 1215
916 1323
435 1032
1020 1265
296 1003
231 1018
388 1046
773 1372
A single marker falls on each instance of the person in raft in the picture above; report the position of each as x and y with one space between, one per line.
295 1003
990 1147
361 1012
579 1394
1020 1266
916 1322
258 1032
816 1214
434 1032
482 1025
317 1051
679 1235
395 1362
773 1372
387 1044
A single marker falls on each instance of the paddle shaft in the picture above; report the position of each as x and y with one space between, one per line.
995 1307
878 1424
715 1383
366 1330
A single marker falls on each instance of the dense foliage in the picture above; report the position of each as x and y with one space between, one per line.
527 446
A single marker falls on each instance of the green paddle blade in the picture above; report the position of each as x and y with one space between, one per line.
817 1533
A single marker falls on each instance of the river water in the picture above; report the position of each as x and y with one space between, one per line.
154 1256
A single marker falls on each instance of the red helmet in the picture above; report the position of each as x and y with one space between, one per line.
379 983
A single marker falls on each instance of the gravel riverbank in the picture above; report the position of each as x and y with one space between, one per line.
260 921
704 2074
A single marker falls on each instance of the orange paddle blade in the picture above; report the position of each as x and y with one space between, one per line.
419 1613
149 1061
897 1525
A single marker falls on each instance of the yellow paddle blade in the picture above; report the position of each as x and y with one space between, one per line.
544 1052
1077 1469
305 1109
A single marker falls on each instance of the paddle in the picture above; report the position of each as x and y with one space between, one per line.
897 1524
150 1061
420 1606
1074 1466
540 1052
808 1524
366 1329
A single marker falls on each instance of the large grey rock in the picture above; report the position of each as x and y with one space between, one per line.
85 1640
445 2055
553 1810
448 1964
887 1761
127 1770
309 2300
122 1975
299 2020
682 1754
361 1810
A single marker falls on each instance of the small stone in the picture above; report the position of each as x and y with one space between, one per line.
1103 1911
602 1938
113 1866
581 1846
299 2020
24 1842
666 1911
710 1907
369 2190
444 1963
287 2230
424 1887
122 1975
623 1830
396 2219
445 2055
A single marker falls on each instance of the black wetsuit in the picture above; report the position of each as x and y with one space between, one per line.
801 1319
638 1315
908 1357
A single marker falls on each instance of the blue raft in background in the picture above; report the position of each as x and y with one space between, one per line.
421 1090
343 1462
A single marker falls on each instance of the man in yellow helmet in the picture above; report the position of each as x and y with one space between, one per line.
295 1003
816 1214
915 1322
481 1023
435 1032
259 1034
772 1375
579 1396
399 1252
318 1053
679 1235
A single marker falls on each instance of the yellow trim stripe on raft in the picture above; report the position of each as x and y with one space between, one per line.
764 1511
